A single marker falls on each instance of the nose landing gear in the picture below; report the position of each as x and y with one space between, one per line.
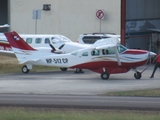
138 75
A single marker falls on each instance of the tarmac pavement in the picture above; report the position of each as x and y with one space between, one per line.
69 83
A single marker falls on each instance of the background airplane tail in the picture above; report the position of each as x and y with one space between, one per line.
22 50
16 41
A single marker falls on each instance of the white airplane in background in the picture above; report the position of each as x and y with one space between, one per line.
42 41
106 59
4 26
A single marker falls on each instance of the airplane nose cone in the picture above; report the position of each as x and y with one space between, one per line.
152 54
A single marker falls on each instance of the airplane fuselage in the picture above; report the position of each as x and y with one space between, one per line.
85 59
40 41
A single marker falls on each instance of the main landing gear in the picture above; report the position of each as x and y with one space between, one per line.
105 75
78 70
25 69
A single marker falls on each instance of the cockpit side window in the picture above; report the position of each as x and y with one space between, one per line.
55 40
74 53
38 40
29 40
121 48
46 41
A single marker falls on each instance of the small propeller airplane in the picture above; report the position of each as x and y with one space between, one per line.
42 41
105 57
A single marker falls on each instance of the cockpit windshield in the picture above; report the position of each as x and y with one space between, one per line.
121 48
60 39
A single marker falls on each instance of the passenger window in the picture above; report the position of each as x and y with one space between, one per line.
29 40
46 41
95 52
85 54
38 40
105 51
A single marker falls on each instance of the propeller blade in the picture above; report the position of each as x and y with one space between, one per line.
53 48
61 46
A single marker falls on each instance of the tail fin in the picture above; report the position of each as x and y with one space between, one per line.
22 50
16 41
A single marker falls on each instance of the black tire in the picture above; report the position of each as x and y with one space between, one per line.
78 70
63 69
25 69
137 75
105 75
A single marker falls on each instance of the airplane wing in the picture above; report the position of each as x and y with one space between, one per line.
7 53
113 40
105 46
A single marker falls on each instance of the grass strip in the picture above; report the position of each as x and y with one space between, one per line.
74 114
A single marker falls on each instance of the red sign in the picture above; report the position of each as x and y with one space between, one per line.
100 14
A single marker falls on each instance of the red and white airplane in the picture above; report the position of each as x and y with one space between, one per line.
106 57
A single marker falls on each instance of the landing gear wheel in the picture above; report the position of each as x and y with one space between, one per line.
25 69
137 75
78 70
63 69
105 75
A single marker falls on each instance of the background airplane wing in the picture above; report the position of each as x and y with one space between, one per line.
7 53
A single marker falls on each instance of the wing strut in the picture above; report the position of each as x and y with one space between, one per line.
117 55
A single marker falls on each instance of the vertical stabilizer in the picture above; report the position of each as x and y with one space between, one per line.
22 50
16 41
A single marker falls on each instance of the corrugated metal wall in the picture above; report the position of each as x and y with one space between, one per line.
142 9
141 15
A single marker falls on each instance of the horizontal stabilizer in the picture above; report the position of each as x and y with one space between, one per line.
25 61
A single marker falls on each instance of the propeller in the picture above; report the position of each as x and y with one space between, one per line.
53 48
61 46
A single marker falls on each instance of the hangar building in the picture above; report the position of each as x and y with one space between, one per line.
138 21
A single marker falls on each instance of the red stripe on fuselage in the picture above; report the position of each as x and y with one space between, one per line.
111 67
133 51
